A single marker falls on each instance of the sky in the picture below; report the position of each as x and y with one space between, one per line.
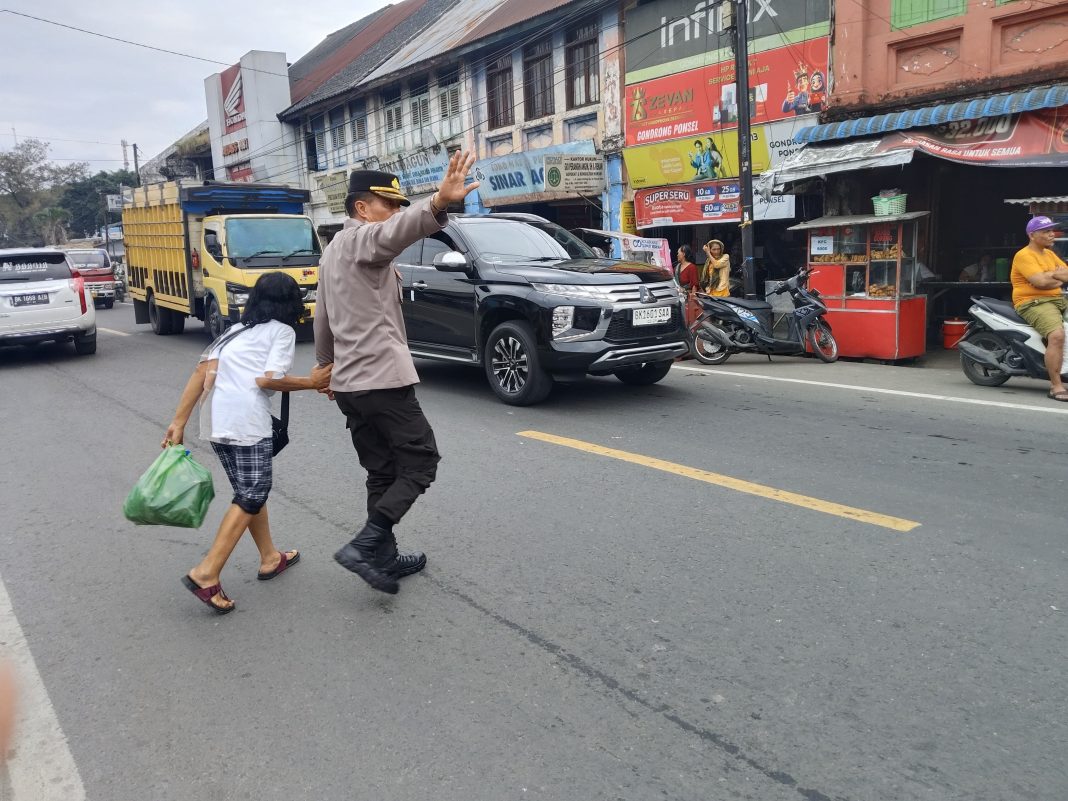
59 84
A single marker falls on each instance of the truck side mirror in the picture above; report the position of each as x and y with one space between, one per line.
451 262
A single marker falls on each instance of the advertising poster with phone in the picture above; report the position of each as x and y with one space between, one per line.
684 160
784 83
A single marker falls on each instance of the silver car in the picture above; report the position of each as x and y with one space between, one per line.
43 298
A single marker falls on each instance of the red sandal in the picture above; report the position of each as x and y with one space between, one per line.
283 563
205 594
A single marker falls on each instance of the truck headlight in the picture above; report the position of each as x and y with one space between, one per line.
309 296
236 298
563 317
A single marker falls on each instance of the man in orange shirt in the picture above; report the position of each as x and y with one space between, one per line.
1038 278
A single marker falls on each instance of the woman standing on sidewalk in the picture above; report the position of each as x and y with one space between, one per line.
240 371
717 278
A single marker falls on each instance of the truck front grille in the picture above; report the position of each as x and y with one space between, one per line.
631 293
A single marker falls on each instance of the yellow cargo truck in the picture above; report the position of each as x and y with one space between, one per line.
196 250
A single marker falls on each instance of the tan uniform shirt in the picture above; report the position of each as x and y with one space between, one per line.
358 321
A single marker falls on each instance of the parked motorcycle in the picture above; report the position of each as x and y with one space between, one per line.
998 344
736 325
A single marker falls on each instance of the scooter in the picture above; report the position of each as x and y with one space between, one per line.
998 344
736 325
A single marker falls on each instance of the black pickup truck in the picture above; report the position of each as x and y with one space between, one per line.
533 304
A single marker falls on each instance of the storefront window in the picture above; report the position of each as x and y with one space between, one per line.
499 96
449 103
583 83
315 144
538 79
394 118
358 120
338 138
906 13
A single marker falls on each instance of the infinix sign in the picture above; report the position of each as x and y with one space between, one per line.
710 18
703 22
674 35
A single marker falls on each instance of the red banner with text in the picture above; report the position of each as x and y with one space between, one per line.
709 202
786 82
1030 139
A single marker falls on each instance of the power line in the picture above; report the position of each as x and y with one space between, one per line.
381 138
58 139
134 44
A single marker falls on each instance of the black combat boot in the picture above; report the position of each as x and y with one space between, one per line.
371 555
406 564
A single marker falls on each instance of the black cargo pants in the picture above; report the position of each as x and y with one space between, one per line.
395 444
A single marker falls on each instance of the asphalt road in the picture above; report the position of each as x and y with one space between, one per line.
588 627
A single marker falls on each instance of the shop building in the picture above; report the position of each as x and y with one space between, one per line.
953 108
188 157
248 142
513 81
681 120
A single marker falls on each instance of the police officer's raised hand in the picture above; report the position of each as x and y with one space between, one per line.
452 189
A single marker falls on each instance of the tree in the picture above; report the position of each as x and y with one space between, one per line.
25 171
84 199
52 223
29 183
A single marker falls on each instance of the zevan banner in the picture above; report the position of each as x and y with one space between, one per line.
784 83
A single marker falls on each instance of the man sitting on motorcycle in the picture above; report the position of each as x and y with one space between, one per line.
1038 278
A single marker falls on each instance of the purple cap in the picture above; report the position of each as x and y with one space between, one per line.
1040 224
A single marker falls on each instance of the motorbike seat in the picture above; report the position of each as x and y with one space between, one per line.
1000 307
752 305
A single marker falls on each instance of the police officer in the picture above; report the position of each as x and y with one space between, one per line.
360 330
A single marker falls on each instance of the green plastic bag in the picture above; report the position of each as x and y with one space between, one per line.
174 491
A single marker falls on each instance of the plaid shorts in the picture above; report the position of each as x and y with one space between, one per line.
250 470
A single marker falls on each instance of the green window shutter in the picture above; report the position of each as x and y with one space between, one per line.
906 13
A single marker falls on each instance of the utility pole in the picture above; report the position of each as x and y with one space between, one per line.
137 168
745 142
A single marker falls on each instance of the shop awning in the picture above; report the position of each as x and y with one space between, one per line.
1027 201
1051 204
1028 139
857 219
995 106
817 161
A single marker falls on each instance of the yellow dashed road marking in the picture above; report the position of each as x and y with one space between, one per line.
748 487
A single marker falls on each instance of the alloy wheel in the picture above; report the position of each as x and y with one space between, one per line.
510 365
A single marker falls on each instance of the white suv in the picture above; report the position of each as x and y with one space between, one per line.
43 298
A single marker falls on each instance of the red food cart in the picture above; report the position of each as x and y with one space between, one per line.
864 267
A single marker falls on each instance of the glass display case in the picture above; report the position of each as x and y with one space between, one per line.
877 259
865 268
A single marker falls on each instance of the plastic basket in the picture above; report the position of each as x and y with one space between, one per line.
885 206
